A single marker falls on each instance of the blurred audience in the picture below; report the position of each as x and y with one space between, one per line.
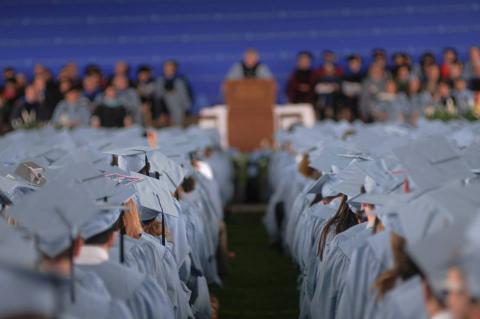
375 88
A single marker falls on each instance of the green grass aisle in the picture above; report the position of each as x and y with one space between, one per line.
261 283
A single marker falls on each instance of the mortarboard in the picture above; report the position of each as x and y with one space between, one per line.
9 188
437 252
132 158
162 165
153 194
431 162
54 214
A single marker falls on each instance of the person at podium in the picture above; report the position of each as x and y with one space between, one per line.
249 68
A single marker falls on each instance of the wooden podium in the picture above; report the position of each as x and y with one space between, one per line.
250 112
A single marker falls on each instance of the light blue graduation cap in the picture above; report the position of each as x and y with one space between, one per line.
431 162
100 222
53 215
335 154
133 158
437 252
100 187
161 165
10 188
155 198
154 194
437 209
317 187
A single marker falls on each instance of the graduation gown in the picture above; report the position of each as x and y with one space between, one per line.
148 256
330 279
143 296
207 248
368 261
92 305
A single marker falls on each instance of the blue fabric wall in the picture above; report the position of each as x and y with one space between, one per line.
207 36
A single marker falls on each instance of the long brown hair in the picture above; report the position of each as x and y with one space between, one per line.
305 169
343 219
403 267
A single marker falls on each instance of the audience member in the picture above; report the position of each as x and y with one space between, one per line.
72 111
301 81
172 95
111 112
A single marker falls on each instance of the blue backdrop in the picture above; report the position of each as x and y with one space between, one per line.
207 36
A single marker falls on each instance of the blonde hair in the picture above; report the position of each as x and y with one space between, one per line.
131 220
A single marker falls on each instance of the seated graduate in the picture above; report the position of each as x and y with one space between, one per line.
110 112
300 84
143 296
72 111
52 214
173 94
249 68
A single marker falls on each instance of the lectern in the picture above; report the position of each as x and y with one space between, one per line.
250 112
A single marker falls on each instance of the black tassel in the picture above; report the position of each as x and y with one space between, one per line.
122 242
163 229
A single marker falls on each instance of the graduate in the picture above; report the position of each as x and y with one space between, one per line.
143 296
61 244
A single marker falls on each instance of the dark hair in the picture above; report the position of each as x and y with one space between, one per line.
343 219
188 184
352 57
403 267
305 53
103 237
143 68
92 69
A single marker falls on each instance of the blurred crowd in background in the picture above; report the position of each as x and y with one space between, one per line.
389 88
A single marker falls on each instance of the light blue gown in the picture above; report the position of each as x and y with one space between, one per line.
368 261
143 296
148 256
330 280
91 305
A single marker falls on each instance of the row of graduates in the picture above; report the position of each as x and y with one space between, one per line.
382 220
105 224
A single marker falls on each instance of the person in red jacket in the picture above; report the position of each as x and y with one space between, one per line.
302 79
